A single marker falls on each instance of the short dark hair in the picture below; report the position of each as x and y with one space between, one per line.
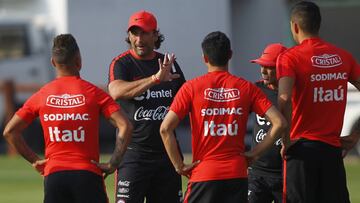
161 38
65 49
216 46
307 15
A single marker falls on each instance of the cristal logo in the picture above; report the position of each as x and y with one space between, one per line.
65 100
326 61
154 95
221 94
151 114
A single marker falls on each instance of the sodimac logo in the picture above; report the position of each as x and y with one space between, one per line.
221 94
65 101
326 61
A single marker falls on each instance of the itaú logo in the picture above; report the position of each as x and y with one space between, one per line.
65 100
221 94
326 61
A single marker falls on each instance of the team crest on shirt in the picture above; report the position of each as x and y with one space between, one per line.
221 94
65 101
326 61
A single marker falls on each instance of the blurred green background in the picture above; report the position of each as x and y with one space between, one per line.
19 183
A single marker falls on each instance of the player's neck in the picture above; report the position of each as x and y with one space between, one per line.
305 36
65 73
212 68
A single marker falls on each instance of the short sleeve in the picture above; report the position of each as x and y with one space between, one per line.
355 70
30 110
285 66
182 101
118 71
106 103
259 100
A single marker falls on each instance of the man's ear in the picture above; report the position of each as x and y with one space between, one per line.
230 54
205 58
53 63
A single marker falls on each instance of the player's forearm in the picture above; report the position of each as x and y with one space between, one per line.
285 108
171 147
16 141
273 134
122 141
129 90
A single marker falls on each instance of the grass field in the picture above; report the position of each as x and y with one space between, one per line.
19 183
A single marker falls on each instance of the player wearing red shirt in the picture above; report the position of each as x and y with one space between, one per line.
313 80
69 109
219 104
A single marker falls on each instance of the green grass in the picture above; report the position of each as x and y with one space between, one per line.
19 183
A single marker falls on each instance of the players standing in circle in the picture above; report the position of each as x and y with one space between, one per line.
219 104
69 108
313 79
144 82
265 174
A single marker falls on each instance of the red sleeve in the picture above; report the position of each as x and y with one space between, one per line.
30 110
182 101
285 66
355 70
260 102
106 103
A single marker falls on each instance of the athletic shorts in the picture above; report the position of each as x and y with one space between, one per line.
264 188
152 177
74 187
314 173
217 191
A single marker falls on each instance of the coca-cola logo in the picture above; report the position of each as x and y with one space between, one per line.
65 100
326 61
260 136
221 94
151 114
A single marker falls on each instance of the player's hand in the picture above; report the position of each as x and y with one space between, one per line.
348 142
39 165
285 147
250 157
164 74
106 168
185 169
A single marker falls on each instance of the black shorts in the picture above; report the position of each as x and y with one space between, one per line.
217 191
74 187
264 188
315 173
153 177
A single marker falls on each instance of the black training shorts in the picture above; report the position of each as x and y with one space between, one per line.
217 191
314 173
74 187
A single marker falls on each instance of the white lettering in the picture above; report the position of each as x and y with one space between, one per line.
56 135
221 94
221 111
321 95
328 76
66 117
221 129
152 94
151 114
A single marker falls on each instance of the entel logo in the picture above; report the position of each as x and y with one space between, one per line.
221 94
326 61
65 100
154 94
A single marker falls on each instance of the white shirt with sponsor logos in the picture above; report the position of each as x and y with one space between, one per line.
69 109
219 105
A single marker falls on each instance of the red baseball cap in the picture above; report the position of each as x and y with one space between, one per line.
143 19
270 55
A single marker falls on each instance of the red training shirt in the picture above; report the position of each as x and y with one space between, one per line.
321 72
219 104
69 109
